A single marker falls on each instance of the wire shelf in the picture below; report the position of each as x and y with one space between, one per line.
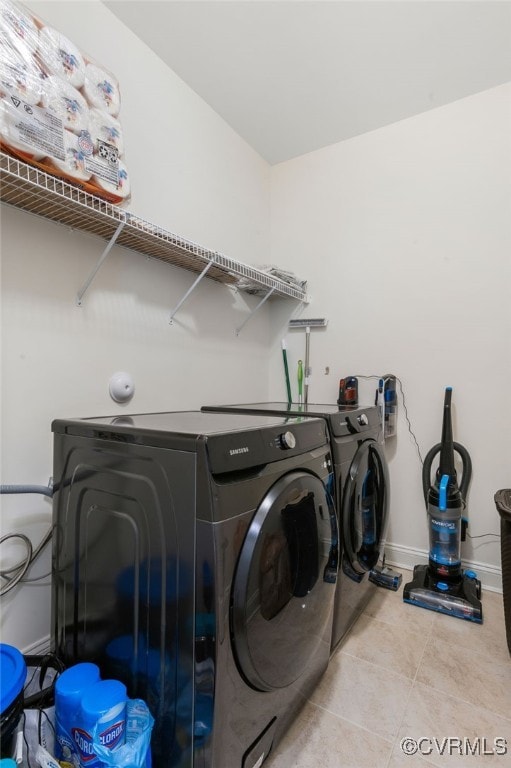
30 189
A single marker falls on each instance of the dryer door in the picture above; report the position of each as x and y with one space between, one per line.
365 508
284 584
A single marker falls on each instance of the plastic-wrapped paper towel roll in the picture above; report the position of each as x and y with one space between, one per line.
20 77
102 90
103 127
123 187
66 102
12 132
59 56
74 164
19 27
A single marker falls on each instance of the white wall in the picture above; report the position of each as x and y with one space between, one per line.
405 235
191 174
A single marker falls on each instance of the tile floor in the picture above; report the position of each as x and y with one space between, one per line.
404 672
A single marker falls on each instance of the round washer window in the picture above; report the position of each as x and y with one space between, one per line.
365 507
282 596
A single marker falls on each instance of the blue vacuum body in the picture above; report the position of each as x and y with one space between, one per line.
442 585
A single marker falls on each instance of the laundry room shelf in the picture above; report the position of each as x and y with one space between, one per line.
32 190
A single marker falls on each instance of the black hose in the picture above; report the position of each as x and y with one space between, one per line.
466 471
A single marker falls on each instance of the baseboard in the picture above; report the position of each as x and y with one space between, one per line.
39 647
406 557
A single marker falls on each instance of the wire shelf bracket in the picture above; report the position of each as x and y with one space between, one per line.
192 288
83 289
245 321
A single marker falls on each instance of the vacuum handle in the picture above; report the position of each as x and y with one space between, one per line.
466 475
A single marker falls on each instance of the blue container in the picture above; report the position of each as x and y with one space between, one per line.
102 709
124 654
69 689
13 673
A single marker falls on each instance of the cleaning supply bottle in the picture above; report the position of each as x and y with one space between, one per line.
69 689
300 382
390 405
348 391
102 716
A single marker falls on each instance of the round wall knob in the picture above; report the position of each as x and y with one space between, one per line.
122 387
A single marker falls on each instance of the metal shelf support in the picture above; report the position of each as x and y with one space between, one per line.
192 287
245 321
81 292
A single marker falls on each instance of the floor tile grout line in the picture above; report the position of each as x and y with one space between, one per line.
391 622
381 666
352 722
497 662
487 656
414 680
378 666
490 712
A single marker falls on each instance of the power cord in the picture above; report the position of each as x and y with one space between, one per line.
405 409
408 420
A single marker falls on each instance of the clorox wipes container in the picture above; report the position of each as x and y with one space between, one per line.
13 673
69 689
103 713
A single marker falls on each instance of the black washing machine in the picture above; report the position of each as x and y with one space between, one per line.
361 491
195 558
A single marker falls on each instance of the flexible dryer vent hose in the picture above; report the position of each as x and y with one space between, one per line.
44 490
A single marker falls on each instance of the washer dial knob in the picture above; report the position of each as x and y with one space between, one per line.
287 440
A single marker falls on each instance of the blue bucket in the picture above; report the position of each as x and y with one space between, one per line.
13 673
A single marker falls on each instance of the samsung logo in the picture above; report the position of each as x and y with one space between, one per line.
236 451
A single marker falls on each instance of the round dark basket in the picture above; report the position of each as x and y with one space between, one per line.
503 504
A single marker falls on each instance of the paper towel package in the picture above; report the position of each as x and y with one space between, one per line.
59 109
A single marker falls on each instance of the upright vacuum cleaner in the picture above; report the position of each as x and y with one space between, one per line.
442 585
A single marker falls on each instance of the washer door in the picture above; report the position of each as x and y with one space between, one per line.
284 584
365 507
